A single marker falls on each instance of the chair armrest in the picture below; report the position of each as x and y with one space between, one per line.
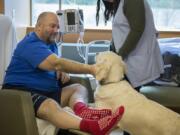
85 81
17 114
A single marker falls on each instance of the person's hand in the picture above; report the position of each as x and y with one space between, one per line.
100 70
63 77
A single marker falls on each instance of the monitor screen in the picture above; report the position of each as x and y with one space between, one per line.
71 18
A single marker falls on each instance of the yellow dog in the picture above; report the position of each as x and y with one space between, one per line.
142 116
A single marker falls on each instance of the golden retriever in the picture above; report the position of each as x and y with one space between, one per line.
142 116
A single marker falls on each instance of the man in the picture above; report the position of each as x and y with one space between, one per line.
36 68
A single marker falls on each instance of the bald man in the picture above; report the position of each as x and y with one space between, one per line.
36 68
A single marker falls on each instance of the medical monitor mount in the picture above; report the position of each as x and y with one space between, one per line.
71 20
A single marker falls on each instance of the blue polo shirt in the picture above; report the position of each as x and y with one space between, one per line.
23 69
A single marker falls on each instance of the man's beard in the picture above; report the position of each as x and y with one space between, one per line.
52 38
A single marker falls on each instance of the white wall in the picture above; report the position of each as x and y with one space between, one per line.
19 11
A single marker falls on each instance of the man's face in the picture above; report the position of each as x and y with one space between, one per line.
49 29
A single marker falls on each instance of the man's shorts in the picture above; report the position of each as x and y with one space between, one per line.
38 97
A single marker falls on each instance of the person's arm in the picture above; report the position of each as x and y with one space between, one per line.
112 47
134 11
52 62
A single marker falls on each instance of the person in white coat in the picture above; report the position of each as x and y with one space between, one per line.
134 38
7 43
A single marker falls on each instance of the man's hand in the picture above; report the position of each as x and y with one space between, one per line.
63 77
100 70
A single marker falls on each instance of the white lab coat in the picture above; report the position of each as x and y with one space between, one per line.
7 43
144 63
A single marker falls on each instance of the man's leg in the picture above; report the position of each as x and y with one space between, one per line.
72 94
48 109
76 96
51 111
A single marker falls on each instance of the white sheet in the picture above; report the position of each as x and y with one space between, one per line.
171 45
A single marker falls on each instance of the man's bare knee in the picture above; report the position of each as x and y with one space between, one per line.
80 87
73 93
80 92
74 89
48 107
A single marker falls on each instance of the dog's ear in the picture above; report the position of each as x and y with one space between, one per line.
102 70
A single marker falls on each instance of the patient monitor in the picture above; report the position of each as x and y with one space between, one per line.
71 20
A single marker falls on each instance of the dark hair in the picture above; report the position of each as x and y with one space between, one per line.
110 10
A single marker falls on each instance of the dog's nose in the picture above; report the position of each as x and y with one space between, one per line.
97 53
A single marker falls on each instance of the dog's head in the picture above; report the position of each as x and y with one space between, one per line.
114 69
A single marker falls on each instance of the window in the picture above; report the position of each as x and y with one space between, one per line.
166 12
88 6
89 10
38 6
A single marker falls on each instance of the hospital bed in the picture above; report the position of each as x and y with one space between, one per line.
170 49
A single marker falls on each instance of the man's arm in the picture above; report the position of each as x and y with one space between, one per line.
53 63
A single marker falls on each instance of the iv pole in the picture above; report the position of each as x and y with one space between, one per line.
59 4
83 53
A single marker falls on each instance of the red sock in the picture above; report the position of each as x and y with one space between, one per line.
102 126
83 111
